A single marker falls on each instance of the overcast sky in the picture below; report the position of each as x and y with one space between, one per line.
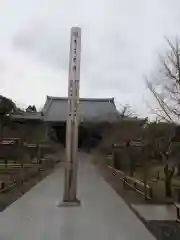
120 41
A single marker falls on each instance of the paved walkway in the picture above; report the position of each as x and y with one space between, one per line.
103 215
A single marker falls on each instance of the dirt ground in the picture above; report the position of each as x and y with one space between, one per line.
13 194
17 191
126 193
162 230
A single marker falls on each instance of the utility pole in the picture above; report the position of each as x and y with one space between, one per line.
70 181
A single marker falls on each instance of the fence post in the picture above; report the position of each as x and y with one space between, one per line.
145 167
2 185
158 175
5 162
21 150
38 156
124 181
150 193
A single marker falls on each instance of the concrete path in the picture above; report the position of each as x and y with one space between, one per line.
103 215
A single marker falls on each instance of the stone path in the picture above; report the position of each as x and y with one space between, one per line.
103 215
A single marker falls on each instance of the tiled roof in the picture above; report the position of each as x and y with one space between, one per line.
91 109
27 116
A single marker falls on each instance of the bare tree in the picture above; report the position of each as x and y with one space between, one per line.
168 82
126 111
168 99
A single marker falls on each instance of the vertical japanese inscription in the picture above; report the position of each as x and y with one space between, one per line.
72 121
74 72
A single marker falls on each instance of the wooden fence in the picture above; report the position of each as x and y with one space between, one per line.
13 166
133 183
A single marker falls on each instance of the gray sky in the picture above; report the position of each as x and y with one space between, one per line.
120 41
